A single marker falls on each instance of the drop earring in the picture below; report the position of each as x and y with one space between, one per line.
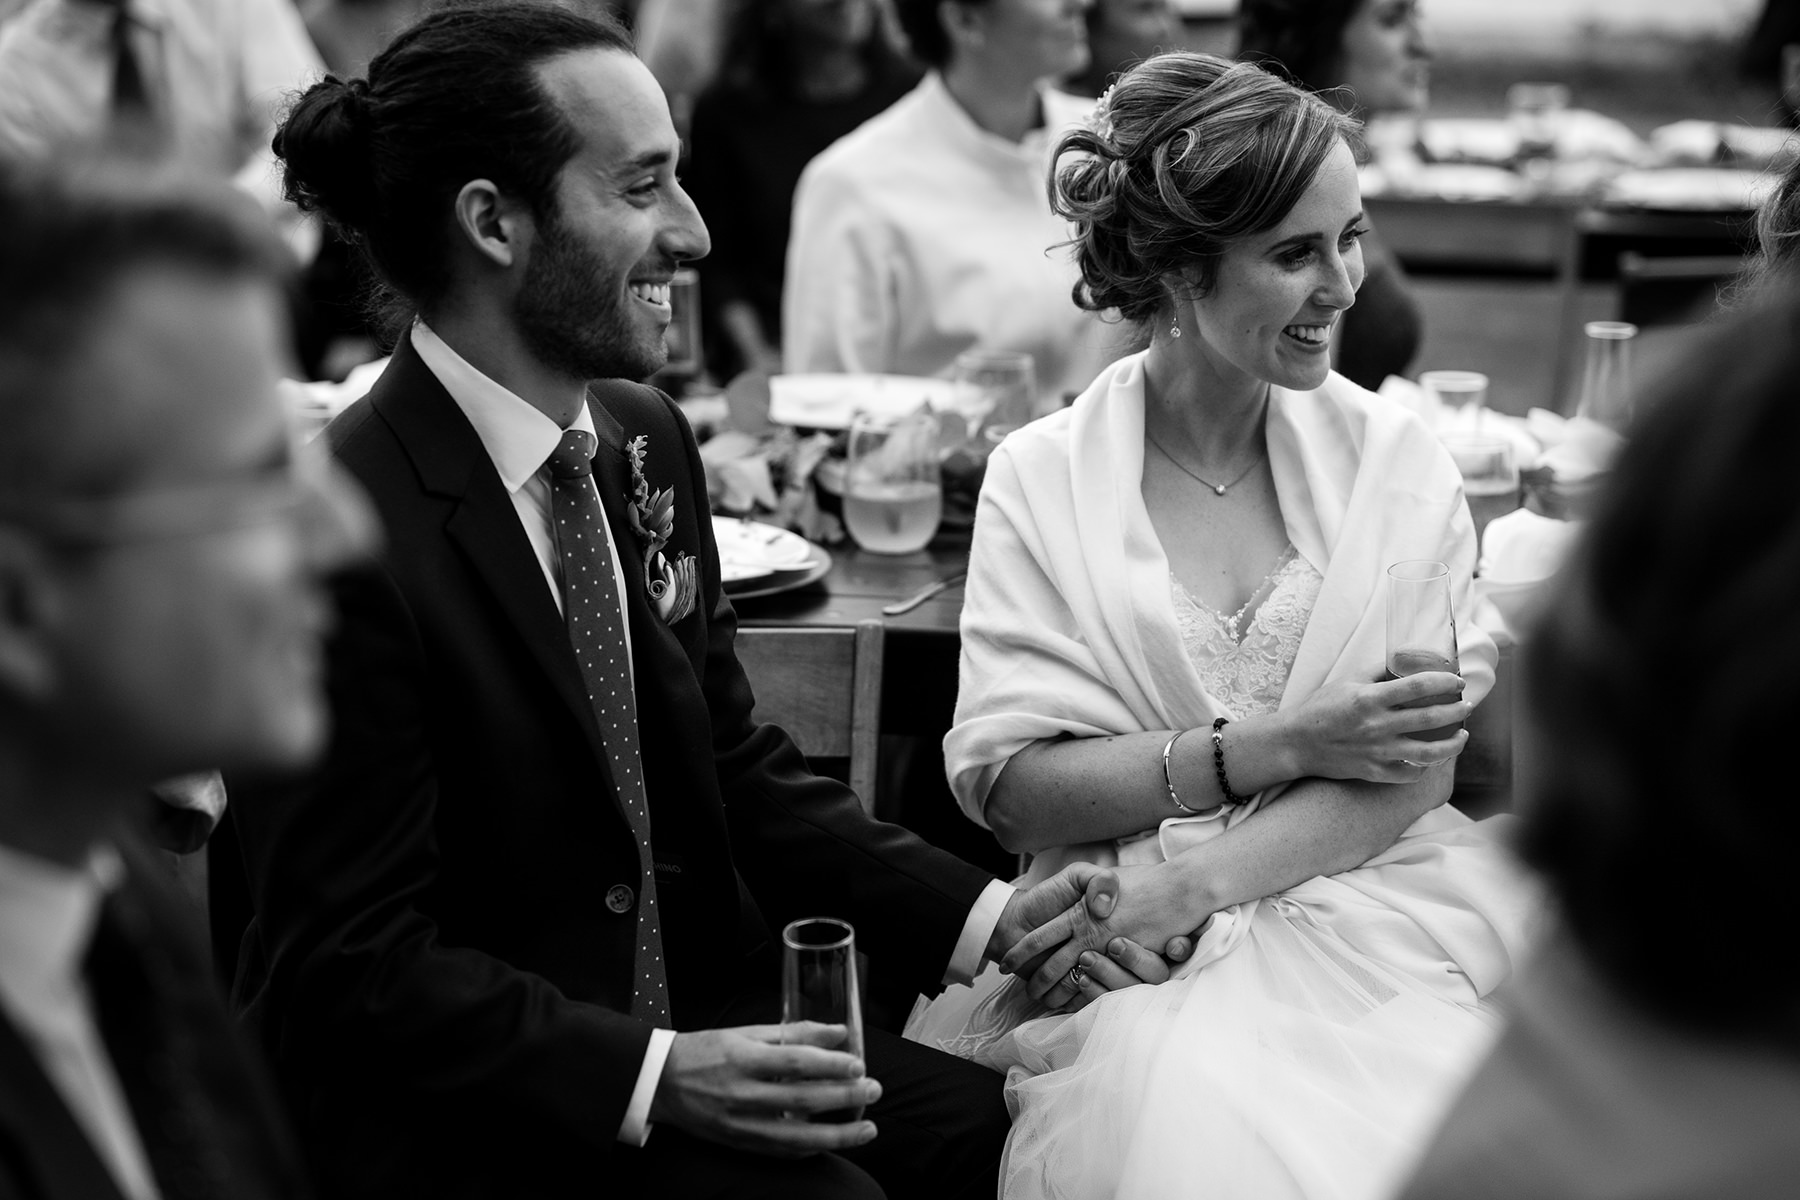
1174 324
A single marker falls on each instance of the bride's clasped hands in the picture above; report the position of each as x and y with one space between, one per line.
1055 919
1093 948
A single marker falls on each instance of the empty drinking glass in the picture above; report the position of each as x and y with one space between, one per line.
994 391
1461 393
818 983
1606 373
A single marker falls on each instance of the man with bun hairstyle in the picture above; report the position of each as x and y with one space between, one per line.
519 936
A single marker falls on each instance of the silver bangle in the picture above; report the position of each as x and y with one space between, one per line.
1169 779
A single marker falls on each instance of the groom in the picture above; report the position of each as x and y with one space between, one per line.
518 937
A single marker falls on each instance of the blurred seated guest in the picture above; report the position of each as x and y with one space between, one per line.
1367 57
348 33
1122 33
683 43
1172 660
926 232
200 80
161 563
1656 1052
799 75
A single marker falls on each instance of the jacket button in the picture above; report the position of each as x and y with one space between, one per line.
620 898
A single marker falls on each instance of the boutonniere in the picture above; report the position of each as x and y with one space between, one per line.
674 587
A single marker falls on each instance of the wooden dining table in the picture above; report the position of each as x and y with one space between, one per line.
860 583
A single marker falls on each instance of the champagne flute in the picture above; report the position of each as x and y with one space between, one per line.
1421 631
818 983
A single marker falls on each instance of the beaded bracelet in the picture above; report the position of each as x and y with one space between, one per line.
1170 779
1218 740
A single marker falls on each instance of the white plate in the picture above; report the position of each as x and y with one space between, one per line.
812 570
1460 181
753 550
1696 188
828 401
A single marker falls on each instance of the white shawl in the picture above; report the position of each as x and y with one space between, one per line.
1067 623
1068 628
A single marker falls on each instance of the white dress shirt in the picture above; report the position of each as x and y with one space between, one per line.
47 918
920 235
519 438
218 72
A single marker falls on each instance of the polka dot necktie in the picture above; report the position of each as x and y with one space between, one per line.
596 617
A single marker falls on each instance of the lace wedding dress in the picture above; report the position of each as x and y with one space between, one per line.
1306 1048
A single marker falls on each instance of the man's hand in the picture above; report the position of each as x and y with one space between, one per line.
1155 907
742 1088
1125 964
1072 887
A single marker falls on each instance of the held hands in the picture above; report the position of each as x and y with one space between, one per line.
1097 931
1351 730
742 1088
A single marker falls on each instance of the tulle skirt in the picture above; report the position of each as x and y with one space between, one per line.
1305 1051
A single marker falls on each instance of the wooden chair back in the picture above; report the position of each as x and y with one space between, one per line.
822 685
1680 290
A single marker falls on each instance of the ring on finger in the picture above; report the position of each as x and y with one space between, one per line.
1077 976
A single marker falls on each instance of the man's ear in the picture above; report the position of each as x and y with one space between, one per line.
28 618
493 224
964 24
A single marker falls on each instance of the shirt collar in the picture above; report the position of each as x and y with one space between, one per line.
517 436
1059 110
47 917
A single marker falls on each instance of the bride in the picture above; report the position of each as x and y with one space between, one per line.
1173 642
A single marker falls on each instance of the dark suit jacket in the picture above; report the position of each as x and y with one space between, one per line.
433 966
45 1154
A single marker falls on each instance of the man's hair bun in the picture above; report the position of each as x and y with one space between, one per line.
325 146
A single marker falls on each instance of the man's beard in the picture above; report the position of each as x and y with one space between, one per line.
572 320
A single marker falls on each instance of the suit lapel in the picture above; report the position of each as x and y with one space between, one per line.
46 1139
452 462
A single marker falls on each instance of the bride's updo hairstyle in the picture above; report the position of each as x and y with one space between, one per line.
1185 155
455 97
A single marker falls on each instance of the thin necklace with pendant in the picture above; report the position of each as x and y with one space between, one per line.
1218 488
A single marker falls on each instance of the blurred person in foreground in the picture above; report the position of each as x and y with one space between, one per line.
1654 1050
162 610
798 75
1173 651
926 232
1122 33
1369 58
518 935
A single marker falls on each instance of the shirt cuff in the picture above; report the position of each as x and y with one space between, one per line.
971 947
634 1130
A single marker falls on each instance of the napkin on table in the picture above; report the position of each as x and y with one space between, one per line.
1521 551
